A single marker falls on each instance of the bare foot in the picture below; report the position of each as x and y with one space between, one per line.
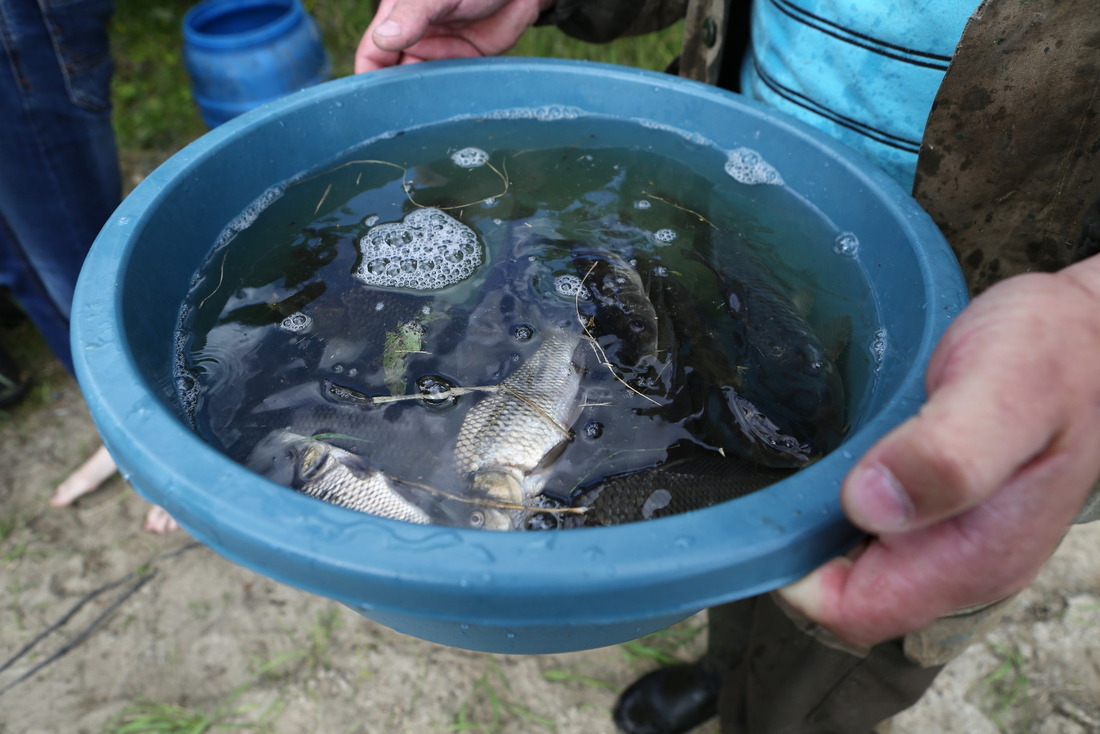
87 478
157 520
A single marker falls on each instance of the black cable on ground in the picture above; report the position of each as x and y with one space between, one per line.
142 577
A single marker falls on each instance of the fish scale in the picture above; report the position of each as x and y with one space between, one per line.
508 433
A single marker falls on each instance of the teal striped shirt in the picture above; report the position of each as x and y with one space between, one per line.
864 71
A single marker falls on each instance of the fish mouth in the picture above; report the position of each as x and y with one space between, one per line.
501 486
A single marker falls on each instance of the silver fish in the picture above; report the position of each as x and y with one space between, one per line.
334 475
515 430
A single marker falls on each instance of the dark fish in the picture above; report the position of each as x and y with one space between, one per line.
783 368
618 304
691 484
786 367
709 391
261 314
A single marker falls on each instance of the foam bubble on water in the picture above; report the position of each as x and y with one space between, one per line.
847 244
427 250
187 387
660 271
688 135
570 286
371 220
548 113
296 322
749 167
470 157
642 204
245 219
665 235
878 346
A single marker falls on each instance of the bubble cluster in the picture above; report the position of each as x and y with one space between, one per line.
570 286
692 137
642 204
547 113
878 346
295 322
470 157
427 250
749 167
665 235
245 219
846 244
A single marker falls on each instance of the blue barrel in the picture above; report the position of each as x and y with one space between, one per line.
518 592
243 53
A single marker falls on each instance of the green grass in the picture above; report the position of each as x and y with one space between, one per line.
676 644
154 111
151 93
490 707
1005 693
153 717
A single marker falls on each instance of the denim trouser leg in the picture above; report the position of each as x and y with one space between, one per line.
59 172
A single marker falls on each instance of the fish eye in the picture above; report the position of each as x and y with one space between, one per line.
477 519
636 325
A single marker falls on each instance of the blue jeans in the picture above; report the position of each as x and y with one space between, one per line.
59 171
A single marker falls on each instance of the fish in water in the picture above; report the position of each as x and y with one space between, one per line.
510 434
787 369
618 304
783 369
679 486
711 388
334 475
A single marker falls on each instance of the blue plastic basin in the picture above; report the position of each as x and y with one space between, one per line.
484 590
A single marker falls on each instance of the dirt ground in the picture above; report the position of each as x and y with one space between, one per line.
127 631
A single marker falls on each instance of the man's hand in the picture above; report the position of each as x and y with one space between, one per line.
969 498
406 31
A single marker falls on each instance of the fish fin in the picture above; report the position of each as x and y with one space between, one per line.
802 299
835 335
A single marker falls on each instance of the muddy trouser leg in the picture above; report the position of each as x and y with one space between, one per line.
783 675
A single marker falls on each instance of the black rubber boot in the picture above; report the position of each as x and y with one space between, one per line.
669 700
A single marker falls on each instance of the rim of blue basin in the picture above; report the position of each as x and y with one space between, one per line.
517 592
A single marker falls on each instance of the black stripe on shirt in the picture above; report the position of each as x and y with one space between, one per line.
847 35
801 100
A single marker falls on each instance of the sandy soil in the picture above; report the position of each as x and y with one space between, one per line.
125 624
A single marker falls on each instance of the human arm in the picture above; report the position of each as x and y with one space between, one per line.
966 500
